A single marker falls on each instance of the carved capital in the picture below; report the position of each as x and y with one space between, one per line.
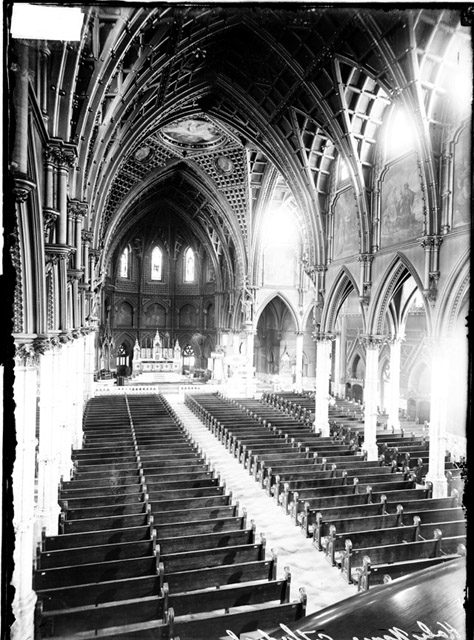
366 257
65 337
74 274
41 344
323 337
373 341
22 188
67 155
77 209
56 252
49 218
87 236
25 354
95 254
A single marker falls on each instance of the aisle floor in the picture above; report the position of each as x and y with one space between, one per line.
309 569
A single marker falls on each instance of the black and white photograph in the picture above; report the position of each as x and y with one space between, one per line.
236 368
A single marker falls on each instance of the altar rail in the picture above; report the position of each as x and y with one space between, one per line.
146 389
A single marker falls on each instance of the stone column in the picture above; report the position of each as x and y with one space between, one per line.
23 480
337 365
249 355
440 364
323 369
19 157
48 472
394 386
372 345
64 406
299 361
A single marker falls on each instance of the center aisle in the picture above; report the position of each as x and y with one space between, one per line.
309 568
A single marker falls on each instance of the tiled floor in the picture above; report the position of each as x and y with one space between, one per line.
309 568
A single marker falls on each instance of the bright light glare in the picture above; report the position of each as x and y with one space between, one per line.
400 136
343 170
35 22
457 76
280 227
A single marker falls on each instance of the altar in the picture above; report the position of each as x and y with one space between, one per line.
159 359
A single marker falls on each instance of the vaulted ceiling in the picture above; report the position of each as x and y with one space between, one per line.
205 110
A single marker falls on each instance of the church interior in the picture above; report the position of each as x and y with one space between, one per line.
236 372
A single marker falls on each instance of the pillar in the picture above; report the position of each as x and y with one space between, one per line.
62 205
62 276
337 365
23 480
394 385
440 367
372 345
299 361
48 467
323 369
19 161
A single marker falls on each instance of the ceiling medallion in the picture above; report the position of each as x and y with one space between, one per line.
143 154
224 164
192 133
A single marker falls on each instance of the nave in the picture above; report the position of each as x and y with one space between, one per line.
222 201
174 525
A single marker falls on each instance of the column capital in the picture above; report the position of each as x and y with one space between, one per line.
373 341
323 337
299 333
49 218
365 257
77 209
67 155
95 254
22 188
25 353
87 236
56 252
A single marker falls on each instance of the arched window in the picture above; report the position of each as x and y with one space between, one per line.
124 270
188 357
189 265
156 263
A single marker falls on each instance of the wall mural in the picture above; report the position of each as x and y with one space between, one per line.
462 179
187 316
154 316
402 205
346 232
124 315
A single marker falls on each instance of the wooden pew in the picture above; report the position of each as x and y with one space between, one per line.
66 576
135 610
206 558
95 554
403 552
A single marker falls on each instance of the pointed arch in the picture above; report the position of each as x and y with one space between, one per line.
273 296
453 296
398 272
342 287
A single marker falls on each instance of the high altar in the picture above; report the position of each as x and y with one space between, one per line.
158 358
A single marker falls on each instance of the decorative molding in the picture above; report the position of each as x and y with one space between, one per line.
15 254
25 354
375 341
49 218
22 188
74 274
87 236
323 337
77 209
